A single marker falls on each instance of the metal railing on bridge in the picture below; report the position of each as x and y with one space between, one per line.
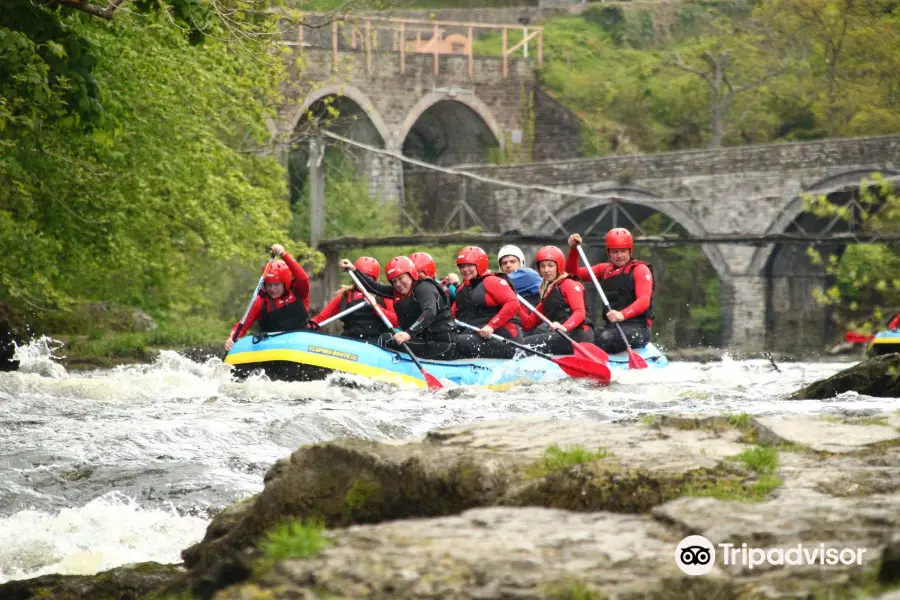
371 34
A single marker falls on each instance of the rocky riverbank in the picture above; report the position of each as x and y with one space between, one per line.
562 509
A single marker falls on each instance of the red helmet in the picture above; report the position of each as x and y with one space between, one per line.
369 266
619 239
552 253
277 271
473 255
399 265
424 262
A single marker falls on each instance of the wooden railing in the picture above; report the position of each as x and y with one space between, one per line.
444 38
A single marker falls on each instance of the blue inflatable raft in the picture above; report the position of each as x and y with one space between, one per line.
310 355
885 341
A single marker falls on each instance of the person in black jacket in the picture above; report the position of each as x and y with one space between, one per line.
422 308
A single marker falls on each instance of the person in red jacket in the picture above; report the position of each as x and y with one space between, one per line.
562 301
628 285
486 300
283 305
363 324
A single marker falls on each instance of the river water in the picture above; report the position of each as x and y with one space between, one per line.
108 467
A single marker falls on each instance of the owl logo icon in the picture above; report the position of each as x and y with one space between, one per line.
695 555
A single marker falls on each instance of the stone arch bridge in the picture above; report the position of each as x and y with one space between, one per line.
740 195
744 205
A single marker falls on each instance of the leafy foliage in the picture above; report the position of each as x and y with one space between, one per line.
136 178
832 65
866 289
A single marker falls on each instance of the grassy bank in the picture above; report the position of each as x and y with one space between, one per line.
109 348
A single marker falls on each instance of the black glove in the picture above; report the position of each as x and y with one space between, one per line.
313 325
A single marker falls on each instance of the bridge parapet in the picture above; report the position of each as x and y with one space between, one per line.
690 163
406 37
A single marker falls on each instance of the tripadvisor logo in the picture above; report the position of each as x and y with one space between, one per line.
696 555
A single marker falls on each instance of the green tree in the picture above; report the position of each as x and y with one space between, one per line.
850 50
169 184
732 62
867 276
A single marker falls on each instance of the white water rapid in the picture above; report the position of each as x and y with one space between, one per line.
108 467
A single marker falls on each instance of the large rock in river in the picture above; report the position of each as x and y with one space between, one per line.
879 376
761 481
129 582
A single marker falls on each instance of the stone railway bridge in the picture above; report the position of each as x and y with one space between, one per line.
446 108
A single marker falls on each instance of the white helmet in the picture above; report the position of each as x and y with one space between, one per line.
511 251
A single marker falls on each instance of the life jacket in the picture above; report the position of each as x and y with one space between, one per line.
408 310
283 314
620 291
364 322
557 309
471 302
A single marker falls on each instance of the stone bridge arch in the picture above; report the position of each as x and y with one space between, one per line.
353 94
446 131
794 321
466 111
707 279
794 206
356 118
592 210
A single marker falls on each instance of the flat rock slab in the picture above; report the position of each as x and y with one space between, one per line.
688 444
832 436
785 520
525 553
537 553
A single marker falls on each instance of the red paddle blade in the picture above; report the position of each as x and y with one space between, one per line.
857 338
581 368
431 380
635 361
590 351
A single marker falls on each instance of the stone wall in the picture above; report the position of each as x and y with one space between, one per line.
557 130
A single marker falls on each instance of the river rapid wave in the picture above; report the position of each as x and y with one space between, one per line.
107 467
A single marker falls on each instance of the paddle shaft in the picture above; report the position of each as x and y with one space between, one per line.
342 314
494 336
384 318
602 295
544 319
259 286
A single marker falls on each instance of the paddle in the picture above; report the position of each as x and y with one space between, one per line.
582 349
857 338
573 366
341 314
259 286
634 360
433 383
